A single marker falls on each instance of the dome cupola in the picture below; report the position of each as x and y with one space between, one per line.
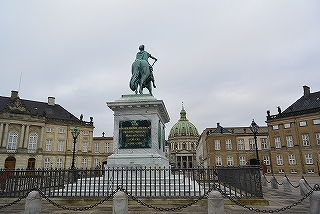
183 127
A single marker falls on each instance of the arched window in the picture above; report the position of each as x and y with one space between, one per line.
184 145
175 145
12 142
32 146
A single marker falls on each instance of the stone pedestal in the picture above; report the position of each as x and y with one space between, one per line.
139 132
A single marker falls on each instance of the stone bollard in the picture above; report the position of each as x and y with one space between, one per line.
274 183
315 201
264 181
120 203
33 203
304 188
215 203
286 185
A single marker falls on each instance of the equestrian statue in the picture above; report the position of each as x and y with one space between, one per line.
142 75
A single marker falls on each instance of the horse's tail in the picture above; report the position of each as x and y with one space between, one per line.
134 81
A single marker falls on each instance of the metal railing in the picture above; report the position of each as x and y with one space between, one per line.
238 182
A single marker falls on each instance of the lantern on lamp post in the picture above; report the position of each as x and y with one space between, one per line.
254 128
75 133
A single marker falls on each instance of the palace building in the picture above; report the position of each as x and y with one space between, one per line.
295 136
38 135
232 146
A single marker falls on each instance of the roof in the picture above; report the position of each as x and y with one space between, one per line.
29 107
183 127
311 101
263 130
307 104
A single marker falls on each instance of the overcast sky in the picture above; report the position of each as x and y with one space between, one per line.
227 61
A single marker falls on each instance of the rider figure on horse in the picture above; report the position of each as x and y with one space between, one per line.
144 55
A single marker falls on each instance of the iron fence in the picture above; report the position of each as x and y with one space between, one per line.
238 182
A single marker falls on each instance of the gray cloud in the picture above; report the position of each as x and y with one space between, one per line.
227 61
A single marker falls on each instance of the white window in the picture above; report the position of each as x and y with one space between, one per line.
308 158
85 132
293 171
266 160
59 163
279 160
275 127
49 129
303 123
228 144
287 125
217 145
96 162
289 140
264 143
311 171
60 145
305 139
12 142
32 145
277 142
47 163
242 161
252 144
240 144
107 147
96 147
85 147
281 171
84 163
49 145
317 138
316 121
61 131
218 161
230 161
292 159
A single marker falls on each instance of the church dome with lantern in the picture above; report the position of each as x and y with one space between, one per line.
183 127
182 143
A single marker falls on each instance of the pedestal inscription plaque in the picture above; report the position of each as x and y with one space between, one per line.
134 134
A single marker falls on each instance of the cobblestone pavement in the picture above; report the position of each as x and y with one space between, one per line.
277 199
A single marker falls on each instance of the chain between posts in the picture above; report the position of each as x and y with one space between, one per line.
172 208
14 202
316 188
77 208
233 199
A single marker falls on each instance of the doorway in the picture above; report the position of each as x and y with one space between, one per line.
10 162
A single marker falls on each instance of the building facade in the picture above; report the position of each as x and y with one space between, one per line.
232 146
182 143
295 136
38 135
103 148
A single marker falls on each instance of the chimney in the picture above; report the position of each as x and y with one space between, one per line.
306 91
14 94
51 101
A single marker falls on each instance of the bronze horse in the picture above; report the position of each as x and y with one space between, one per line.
141 76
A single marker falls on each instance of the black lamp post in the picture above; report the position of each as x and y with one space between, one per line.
75 133
254 128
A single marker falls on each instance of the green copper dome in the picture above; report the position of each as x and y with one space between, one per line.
183 127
